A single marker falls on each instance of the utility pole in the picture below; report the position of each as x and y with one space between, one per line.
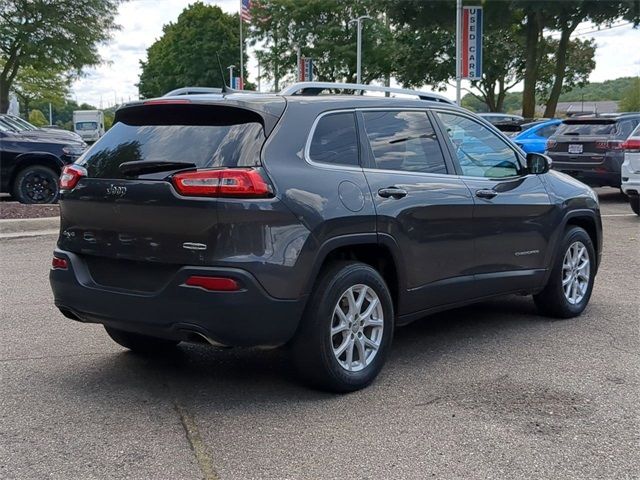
50 115
258 74
230 68
241 55
458 52
358 21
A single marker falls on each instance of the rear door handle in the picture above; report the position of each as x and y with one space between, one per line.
392 192
486 193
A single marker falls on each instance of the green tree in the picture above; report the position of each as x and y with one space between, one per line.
322 30
43 85
630 101
37 118
562 16
186 54
579 64
56 35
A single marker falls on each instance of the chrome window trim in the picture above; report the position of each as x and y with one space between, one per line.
325 165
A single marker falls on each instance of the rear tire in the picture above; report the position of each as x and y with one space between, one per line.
634 201
140 343
347 329
571 281
36 184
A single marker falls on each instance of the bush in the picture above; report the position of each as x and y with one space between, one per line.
630 101
37 118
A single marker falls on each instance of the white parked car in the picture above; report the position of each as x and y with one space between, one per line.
631 169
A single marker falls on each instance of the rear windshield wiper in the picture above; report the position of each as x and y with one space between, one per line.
152 166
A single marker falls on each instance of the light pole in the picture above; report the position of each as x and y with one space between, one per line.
230 68
359 45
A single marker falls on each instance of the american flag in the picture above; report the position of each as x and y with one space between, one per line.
245 10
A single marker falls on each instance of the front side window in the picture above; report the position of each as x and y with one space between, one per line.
404 141
335 140
480 152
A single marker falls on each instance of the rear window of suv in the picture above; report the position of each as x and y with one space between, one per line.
206 146
587 128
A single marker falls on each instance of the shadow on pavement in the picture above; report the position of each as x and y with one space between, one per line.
233 378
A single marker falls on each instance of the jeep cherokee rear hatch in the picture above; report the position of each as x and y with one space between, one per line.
144 200
584 140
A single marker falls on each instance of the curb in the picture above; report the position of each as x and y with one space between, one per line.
13 228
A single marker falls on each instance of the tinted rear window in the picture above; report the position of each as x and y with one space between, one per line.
335 140
235 145
587 128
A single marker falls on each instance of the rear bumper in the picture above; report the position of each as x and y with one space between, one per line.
248 317
598 171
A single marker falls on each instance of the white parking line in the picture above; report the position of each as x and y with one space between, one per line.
619 215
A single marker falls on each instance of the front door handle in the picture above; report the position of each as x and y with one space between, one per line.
486 193
392 192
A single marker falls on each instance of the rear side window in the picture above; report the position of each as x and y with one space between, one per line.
234 145
404 141
335 140
586 128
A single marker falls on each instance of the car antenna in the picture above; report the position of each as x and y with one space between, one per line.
225 88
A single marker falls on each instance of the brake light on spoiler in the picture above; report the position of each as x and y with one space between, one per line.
228 182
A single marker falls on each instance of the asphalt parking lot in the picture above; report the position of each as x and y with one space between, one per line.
489 391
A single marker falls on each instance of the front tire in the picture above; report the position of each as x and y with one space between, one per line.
138 343
36 184
634 201
571 282
347 329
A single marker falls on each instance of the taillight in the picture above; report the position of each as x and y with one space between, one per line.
610 145
231 182
58 263
71 175
631 145
551 144
214 284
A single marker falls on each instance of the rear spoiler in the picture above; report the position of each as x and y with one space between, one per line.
583 120
202 110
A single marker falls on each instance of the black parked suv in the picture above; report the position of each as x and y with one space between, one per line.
590 148
317 222
31 163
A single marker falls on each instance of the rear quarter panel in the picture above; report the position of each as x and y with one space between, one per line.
312 193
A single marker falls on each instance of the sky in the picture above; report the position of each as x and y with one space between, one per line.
114 81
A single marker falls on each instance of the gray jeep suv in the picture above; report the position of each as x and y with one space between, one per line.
319 222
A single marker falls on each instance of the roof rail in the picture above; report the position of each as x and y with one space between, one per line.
192 91
314 88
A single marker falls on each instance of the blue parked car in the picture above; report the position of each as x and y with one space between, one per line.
534 138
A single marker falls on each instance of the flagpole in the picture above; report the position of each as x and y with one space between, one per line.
458 51
241 50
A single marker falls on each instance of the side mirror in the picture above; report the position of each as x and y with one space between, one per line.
537 163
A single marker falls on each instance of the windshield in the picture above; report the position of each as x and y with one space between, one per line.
11 124
235 145
22 123
86 125
587 128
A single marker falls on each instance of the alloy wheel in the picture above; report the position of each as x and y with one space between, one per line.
576 270
357 327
